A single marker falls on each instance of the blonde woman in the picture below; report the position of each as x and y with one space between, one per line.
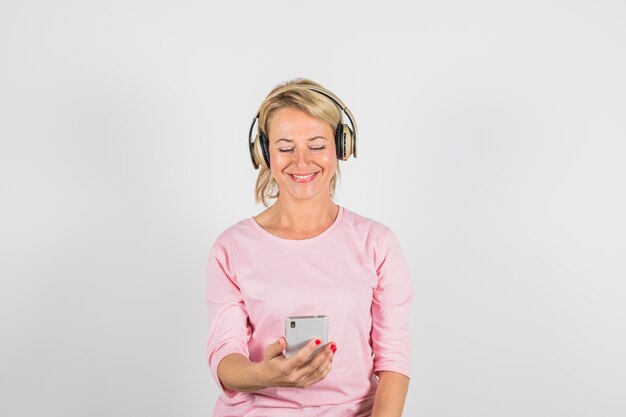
305 255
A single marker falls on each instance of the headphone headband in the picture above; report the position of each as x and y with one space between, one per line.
320 90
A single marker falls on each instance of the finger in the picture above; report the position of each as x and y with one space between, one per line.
314 367
275 349
320 358
320 373
302 356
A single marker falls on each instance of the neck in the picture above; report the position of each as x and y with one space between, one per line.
305 216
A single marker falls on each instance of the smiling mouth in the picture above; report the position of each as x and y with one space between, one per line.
303 178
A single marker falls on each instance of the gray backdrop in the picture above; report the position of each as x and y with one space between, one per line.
491 141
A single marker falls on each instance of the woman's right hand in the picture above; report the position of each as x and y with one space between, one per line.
296 371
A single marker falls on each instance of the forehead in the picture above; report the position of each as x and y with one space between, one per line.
294 122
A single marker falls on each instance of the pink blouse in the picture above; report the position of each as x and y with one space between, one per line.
354 272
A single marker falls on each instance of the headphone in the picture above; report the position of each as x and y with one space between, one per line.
345 137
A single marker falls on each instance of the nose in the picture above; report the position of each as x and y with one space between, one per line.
302 157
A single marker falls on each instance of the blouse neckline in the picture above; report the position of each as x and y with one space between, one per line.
315 238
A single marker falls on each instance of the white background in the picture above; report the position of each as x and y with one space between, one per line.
491 141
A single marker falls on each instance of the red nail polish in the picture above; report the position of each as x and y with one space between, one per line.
333 347
317 341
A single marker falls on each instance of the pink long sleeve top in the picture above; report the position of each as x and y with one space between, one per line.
354 272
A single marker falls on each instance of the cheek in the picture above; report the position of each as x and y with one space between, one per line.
329 158
329 165
277 158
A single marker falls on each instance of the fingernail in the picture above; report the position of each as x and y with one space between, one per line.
317 341
333 348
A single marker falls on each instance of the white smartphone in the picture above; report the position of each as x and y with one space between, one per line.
299 330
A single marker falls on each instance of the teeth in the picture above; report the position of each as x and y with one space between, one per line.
301 177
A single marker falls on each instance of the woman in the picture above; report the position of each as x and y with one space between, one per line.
306 255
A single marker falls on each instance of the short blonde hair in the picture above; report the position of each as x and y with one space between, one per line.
296 95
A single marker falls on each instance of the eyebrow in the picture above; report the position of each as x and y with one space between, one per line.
289 140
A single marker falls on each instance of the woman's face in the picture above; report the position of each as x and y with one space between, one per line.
301 145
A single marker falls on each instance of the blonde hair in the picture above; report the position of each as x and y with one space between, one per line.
296 95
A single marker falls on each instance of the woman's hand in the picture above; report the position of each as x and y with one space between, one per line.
296 371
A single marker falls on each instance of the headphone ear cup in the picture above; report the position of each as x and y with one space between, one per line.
265 149
348 142
256 152
252 145
344 141
339 144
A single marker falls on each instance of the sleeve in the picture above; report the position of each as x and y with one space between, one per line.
229 329
391 338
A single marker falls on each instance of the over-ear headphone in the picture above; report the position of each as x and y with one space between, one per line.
345 137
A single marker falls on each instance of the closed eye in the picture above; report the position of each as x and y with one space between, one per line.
313 149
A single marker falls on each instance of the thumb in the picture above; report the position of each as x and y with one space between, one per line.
276 348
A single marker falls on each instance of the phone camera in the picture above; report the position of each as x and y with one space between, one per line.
293 324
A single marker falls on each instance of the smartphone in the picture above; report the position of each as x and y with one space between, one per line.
299 330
